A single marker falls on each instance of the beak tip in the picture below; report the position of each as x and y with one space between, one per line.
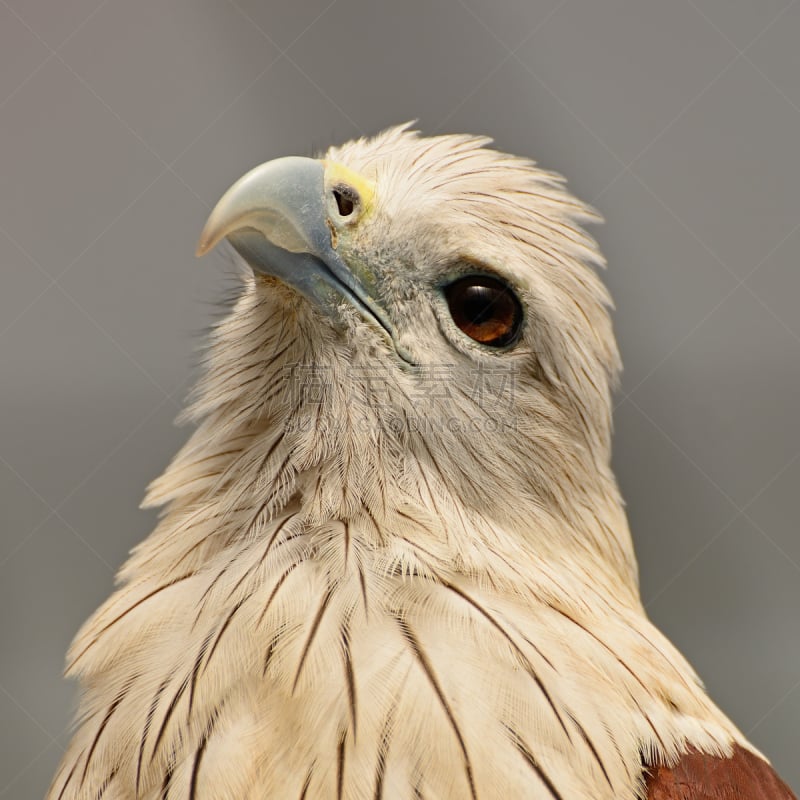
208 240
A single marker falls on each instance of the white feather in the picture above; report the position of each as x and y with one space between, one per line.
335 606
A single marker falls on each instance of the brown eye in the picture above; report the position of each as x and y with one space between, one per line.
485 309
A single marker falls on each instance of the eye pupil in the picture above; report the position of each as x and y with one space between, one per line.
345 201
485 309
478 302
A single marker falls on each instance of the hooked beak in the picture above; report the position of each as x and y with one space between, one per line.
278 219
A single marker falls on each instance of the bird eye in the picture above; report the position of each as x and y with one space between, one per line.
346 199
484 308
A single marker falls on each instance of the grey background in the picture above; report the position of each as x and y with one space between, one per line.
122 122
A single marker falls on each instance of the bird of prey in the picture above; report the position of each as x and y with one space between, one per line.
393 561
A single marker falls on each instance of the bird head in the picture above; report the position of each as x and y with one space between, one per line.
401 469
423 314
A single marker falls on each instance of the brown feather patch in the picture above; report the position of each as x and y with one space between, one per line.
699 776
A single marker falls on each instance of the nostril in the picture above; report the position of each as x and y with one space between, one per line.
345 200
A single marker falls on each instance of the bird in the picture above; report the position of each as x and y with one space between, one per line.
392 559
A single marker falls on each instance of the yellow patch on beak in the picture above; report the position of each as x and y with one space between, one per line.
338 174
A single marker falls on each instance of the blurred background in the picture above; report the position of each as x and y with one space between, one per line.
121 124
